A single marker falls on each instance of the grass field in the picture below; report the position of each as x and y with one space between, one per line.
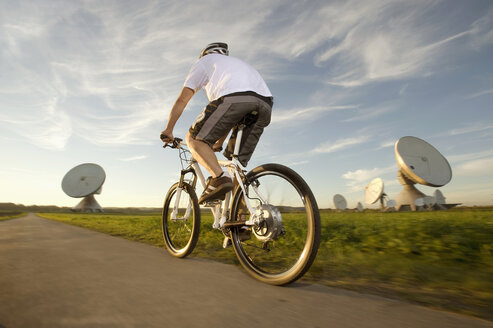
441 259
10 215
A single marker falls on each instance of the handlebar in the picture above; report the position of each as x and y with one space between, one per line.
172 144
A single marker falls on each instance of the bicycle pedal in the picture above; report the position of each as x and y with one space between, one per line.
227 242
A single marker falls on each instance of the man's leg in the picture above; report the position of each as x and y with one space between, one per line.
220 184
204 154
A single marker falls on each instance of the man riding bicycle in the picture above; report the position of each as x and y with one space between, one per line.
235 90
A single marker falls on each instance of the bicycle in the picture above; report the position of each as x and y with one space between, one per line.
271 218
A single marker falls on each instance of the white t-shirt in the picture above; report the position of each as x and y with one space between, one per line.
220 75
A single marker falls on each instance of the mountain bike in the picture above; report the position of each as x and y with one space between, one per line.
271 218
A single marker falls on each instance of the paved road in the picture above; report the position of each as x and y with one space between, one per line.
57 275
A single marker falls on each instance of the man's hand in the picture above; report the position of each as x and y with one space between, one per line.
167 137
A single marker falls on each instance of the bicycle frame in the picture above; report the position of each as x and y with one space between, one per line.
235 170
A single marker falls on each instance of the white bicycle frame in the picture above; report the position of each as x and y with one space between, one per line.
219 211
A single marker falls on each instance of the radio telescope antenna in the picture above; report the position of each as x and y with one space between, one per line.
440 199
390 206
374 192
418 162
419 202
359 207
340 202
83 181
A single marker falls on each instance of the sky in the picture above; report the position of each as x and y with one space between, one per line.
94 81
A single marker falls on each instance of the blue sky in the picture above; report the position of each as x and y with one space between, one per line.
93 81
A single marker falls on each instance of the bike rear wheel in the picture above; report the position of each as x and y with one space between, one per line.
181 229
284 245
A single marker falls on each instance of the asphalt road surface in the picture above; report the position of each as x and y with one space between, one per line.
56 275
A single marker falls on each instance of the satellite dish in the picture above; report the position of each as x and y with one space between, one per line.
390 206
340 202
429 201
419 202
419 162
359 207
374 192
391 203
83 181
440 199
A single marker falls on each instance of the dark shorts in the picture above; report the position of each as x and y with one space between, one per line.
223 114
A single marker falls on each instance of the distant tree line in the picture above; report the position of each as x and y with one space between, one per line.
18 208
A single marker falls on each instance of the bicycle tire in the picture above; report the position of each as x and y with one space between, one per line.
296 221
180 236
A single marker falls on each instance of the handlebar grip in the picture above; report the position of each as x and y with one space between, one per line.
173 144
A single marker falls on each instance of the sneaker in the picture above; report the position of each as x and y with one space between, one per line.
216 188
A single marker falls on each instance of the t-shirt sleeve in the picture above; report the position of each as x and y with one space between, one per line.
197 78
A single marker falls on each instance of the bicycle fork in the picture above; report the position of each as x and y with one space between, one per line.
179 189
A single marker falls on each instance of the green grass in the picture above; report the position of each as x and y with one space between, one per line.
10 215
442 259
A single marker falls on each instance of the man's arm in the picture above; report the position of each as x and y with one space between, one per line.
181 102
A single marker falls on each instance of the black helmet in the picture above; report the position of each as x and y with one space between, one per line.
215 48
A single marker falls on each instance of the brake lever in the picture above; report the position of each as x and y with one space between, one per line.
171 144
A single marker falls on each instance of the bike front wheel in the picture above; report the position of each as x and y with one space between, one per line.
282 246
181 220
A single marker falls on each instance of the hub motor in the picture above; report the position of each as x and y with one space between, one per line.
270 226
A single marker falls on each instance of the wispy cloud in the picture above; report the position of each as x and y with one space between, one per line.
387 144
115 68
470 156
332 146
478 167
360 178
479 94
469 128
298 163
482 30
386 57
403 90
50 128
364 114
134 158
307 113
388 40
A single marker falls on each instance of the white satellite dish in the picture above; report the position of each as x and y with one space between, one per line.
426 202
440 199
359 207
374 192
419 162
429 201
83 181
391 203
340 202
